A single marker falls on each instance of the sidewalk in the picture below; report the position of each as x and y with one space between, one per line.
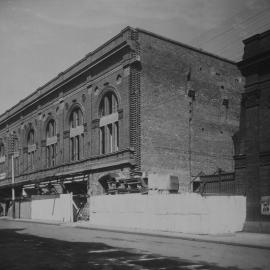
245 239
38 221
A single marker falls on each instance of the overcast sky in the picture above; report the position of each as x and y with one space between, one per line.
41 38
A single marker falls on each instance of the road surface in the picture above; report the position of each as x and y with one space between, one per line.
28 246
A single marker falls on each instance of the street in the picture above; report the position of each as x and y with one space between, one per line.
25 245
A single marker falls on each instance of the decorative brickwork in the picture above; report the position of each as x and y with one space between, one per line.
135 128
135 103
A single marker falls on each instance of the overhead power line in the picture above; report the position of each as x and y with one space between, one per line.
231 28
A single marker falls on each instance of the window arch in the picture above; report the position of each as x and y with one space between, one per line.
76 118
108 104
51 143
76 134
51 129
31 137
31 149
2 150
16 154
2 156
109 123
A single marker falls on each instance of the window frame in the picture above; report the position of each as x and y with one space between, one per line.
76 122
51 148
109 123
31 154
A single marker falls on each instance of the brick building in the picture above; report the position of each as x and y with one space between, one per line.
252 160
138 104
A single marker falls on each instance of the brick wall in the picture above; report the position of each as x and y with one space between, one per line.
180 135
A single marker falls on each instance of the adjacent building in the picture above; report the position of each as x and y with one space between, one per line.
252 159
139 104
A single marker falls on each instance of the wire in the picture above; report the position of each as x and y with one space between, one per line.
232 28
225 48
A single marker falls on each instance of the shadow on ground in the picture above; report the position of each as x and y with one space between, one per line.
26 252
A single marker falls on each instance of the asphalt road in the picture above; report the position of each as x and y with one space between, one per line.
28 246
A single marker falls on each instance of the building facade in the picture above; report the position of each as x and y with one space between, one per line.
138 104
252 160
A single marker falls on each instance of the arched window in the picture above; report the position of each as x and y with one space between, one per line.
16 155
2 150
51 143
76 134
31 137
2 157
109 125
31 149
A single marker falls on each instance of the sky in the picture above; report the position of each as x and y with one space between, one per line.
41 38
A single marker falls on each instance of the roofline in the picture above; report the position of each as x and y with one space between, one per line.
67 69
256 37
90 54
262 55
255 59
186 46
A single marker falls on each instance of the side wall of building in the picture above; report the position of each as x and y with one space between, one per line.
182 133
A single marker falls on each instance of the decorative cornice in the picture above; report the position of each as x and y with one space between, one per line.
254 60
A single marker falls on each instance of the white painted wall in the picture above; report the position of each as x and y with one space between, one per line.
56 209
187 213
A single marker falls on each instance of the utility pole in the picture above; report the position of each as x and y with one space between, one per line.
191 94
11 152
12 182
